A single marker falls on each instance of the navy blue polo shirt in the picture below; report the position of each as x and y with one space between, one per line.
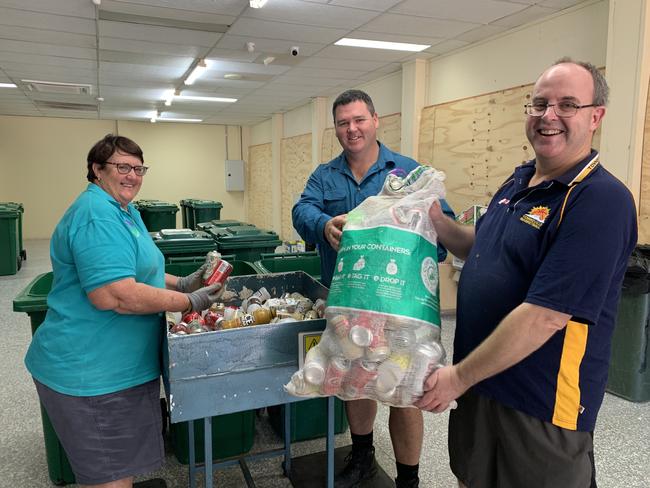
562 244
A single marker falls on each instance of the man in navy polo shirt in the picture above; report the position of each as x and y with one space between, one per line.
537 300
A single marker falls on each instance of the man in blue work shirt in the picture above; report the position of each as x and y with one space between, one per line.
332 191
537 300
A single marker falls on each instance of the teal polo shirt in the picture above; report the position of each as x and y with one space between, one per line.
80 350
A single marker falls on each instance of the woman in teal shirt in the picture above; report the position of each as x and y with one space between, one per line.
95 359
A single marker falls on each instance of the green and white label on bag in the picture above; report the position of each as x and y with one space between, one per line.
387 270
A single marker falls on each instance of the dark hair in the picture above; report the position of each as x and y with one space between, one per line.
105 148
350 96
601 90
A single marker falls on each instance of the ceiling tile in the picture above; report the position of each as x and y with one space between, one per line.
482 12
481 33
22 18
377 5
417 26
72 8
138 32
286 31
47 36
528 15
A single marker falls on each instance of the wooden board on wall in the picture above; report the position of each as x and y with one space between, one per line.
644 198
389 133
295 166
258 187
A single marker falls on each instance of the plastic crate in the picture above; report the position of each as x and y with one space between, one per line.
308 419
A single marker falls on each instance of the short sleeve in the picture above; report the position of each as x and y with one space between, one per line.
104 252
590 249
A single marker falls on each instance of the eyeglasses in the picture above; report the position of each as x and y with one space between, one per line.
125 169
562 109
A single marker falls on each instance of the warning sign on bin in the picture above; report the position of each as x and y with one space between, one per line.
306 340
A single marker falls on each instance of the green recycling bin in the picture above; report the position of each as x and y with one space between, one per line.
232 434
33 301
183 243
629 371
21 211
157 215
309 262
195 211
246 242
10 259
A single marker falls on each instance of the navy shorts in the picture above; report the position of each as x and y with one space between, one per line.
108 437
493 446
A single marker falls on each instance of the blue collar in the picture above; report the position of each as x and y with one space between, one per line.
571 177
94 188
384 158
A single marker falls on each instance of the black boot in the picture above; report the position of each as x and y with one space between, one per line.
360 466
412 483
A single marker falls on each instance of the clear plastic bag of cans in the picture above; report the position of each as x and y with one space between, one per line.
382 338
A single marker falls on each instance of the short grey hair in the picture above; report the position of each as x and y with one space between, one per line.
601 89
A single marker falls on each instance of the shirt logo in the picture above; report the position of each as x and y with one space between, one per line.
131 226
536 216
504 201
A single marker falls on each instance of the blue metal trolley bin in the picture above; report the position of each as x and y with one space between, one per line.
227 371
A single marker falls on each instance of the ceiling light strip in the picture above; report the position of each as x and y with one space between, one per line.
198 70
206 99
391 46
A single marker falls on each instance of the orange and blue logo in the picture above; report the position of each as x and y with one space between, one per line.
536 216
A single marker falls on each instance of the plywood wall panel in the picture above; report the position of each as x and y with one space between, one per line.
296 166
644 198
258 177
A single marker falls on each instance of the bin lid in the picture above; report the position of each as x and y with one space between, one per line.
7 212
33 298
197 203
227 223
170 241
16 205
169 234
157 206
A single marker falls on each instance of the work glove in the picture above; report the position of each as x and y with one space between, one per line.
191 282
202 298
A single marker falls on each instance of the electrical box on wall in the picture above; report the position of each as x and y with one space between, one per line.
234 175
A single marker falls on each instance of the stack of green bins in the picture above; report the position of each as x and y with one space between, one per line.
10 257
309 417
157 215
21 211
33 301
232 434
183 243
196 210
246 242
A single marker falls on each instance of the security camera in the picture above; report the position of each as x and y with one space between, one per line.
295 50
97 2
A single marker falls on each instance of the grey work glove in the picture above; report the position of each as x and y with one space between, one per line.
191 282
204 297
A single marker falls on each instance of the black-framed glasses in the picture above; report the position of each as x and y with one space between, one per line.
125 168
561 109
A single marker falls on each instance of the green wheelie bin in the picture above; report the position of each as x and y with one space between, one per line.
629 371
183 243
10 257
21 211
197 210
33 301
157 215
246 242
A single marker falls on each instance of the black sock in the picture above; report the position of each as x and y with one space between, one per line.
361 442
407 472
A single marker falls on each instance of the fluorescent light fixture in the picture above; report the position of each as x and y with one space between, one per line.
153 117
168 97
207 99
257 3
393 46
7 85
169 119
268 60
198 70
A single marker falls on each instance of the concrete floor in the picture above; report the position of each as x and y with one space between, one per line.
622 440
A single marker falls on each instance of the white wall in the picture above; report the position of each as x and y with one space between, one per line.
517 57
260 133
297 122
